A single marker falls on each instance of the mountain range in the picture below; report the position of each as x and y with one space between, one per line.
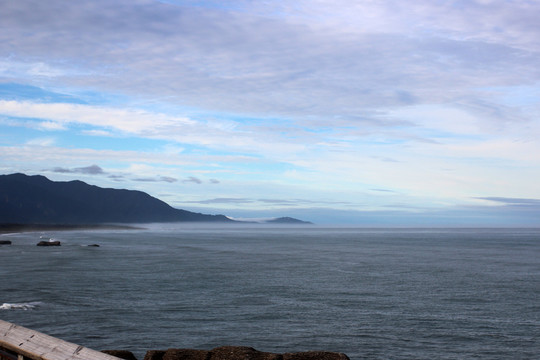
35 199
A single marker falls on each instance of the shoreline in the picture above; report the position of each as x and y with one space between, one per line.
21 228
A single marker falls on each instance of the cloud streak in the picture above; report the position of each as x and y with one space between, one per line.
513 201
87 170
193 180
166 179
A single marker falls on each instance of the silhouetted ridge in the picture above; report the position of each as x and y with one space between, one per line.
288 220
35 199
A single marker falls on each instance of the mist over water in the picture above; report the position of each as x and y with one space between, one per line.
370 293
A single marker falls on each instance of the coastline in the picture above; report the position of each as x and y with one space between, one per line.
20 228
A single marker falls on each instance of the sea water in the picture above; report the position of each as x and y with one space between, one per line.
370 293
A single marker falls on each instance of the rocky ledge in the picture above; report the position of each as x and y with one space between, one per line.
227 353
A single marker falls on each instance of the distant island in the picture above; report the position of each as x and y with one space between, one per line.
35 199
288 220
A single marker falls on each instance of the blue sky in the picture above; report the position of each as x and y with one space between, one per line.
338 112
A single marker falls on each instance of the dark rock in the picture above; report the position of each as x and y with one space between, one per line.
5 242
154 355
93 245
241 353
186 354
122 354
315 355
49 243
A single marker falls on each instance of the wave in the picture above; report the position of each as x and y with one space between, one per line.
21 306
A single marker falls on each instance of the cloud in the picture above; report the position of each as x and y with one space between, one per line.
117 177
96 132
166 179
88 170
91 170
266 202
131 121
223 201
315 66
214 181
62 170
383 190
150 125
349 56
192 179
283 202
301 202
41 142
51 125
512 201
145 179
349 73
42 150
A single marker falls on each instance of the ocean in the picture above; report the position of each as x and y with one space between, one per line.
369 293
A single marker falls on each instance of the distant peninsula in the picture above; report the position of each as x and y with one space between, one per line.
288 220
27 200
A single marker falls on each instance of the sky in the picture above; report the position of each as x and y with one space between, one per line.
376 113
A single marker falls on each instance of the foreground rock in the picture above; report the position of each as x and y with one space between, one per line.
122 354
5 242
240 353
237 353
315 355
187 354
227 353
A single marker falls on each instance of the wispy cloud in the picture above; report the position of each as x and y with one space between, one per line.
41 142
340 58
131 121
223 201
92 170
268 202
88 170
193 180
383 190
512 201
166 179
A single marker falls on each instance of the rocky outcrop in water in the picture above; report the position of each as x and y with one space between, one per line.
228 353
5 242
48 243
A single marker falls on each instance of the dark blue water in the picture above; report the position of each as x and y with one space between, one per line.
370 293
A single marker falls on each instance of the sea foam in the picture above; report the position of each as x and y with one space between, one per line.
20 306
